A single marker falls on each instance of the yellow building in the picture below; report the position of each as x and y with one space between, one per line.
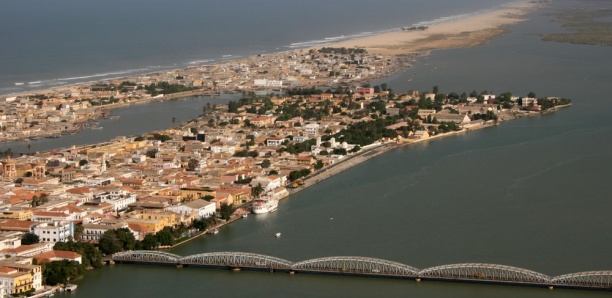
17 214
150 226
22 281
194 193
170 218
135 145
28 276
19 275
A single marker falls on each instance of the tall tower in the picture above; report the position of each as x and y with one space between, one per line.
103 165
10 169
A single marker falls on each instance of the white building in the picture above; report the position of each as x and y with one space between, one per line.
267 83
201 208
120 199
58 231
311 130
93 232
10 240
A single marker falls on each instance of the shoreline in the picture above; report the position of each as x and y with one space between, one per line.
403 47
471 30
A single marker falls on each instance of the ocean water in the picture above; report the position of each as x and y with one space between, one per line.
54 43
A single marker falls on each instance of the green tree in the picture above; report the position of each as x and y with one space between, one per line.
29 238
257 190
109 243
126 237
164 237
61 272
265 163
192 164
151 153
149 242
226 211
92 257
319 165
82 162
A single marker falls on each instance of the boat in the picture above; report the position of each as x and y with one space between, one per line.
277 235
264 205
18 84
70 287
97 127
214 232
244 216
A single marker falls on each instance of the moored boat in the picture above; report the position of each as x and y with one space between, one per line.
264 205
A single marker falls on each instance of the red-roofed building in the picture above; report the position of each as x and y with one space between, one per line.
58 255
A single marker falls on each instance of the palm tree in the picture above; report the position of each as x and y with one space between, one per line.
257 190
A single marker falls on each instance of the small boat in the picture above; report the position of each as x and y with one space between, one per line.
245 215
97 127
277 235
19 84
70 287
214 232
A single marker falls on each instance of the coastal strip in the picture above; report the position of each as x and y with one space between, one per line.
471 30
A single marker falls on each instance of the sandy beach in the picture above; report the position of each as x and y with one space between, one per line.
471 30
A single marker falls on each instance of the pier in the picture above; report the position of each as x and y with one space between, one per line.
372 267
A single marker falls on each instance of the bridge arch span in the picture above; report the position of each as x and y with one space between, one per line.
593 279
485 272
146 256
356 265
236 260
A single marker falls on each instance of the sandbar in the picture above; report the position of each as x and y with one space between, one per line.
471 30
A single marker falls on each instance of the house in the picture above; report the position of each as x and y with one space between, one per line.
457 118
93 232
424 113
420 134
118 198
24 265
193 193
364 91
57 231
58 255
201 208
275 141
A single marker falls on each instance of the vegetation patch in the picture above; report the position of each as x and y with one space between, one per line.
586 26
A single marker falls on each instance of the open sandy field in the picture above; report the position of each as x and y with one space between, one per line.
472 30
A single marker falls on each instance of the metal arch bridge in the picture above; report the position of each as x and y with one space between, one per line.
356 265
485 272
146 256
236 260
589 279
344 265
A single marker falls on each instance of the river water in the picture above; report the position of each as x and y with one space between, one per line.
133 120
532 193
